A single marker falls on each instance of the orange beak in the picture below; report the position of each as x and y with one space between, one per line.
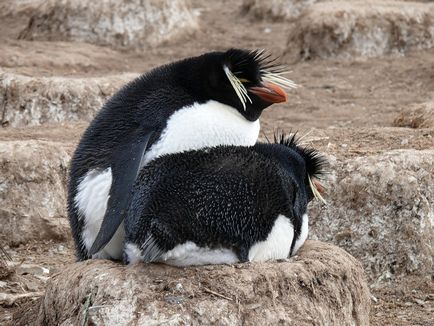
270 92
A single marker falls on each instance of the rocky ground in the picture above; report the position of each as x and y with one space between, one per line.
366 101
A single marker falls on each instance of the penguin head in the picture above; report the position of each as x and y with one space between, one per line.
306 165
248 81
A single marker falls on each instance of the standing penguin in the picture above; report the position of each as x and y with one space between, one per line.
224 204
209 100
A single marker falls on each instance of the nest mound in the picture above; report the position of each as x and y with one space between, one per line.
381 210
30 101
361 29
275 10
132 24
32 192
323 284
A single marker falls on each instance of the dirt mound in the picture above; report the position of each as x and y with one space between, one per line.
33 101
275 9
417 116
322 284
288 10
361 28
32 191
381 209
133 24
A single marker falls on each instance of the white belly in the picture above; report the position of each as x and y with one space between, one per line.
189 254
186 254
193 127
303 234
278 243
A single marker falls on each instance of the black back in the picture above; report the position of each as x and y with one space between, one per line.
226 196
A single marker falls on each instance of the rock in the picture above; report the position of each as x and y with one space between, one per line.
28 101
31 269
381 209
322 283
133 24
33 176
416 116
361 29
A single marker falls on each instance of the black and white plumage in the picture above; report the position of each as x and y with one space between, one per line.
224 204
209 100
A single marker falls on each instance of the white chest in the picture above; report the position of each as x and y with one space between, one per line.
204 125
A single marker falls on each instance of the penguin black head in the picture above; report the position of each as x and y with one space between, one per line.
247 80
307 163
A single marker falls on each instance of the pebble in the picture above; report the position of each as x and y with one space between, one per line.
178 287
32 269
419 302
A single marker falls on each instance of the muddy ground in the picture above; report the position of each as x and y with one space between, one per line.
346 106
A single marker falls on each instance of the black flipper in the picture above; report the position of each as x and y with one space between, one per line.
126 160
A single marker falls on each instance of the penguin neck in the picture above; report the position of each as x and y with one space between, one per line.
204 125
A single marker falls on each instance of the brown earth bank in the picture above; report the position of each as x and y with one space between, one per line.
372 118
322 283
404 301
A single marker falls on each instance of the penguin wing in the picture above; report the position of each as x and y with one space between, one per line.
127 159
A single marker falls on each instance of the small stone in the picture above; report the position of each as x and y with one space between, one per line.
31 286
179 287
42 278
419 302
174 300
32 269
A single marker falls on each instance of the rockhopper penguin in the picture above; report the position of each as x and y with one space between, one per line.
224 204
212 99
